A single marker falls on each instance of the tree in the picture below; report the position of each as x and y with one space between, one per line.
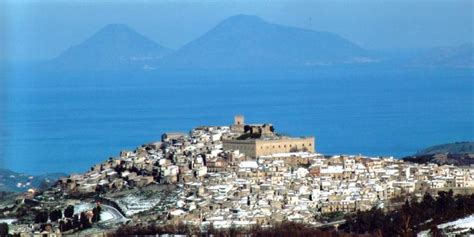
377 217
211 230
55 215
84 221
462 205
99 189
76 222
445 203
41 217
68 225
62 226
69 211
435 232
96 211
416 212
427 201
406 216
3 229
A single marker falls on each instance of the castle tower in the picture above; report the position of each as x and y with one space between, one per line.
239 120
238 124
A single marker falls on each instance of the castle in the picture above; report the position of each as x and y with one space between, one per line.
256 140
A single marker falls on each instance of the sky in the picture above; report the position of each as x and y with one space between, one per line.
39 30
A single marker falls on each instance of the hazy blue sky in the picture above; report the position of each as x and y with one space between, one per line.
42 29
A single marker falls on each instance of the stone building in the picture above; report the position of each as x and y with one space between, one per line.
172 136
238 125
257 140
260 147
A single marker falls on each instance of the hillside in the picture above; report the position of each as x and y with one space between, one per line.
459 153
456 148
11 181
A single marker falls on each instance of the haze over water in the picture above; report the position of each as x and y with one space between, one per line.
67 122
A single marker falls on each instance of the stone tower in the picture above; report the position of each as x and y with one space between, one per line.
239 123
239 120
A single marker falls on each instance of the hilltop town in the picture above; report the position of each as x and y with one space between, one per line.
226 176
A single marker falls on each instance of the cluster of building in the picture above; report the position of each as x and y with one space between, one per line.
247 174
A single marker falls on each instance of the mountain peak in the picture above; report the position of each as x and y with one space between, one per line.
241 20
116 27
117 32
244 18
114 46
249 41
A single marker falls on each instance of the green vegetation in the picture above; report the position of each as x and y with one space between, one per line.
413 217
332 216
41 216
3 229
279 229
69 211
55 215
96 211
68 221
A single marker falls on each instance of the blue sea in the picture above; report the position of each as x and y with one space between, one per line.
68 121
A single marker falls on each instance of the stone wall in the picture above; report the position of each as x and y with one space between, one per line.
260 147
284 145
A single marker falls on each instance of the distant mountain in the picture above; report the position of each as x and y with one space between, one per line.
245 41
461 56
457 147
459 153
115 46
11 181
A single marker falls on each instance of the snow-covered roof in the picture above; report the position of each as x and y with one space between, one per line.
248 164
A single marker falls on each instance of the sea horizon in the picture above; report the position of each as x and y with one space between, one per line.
68 121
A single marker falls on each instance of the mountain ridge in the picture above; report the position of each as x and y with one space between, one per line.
457 153
243 41
11 181
115 46
456 147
